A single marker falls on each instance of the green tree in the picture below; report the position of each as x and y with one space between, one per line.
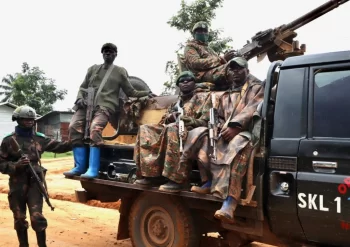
31 87
184 20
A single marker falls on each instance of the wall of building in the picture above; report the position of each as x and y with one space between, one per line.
6 124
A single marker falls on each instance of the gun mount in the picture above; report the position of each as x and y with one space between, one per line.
279 43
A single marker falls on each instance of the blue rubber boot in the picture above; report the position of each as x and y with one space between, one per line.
80 161
94 163
225 213
204 189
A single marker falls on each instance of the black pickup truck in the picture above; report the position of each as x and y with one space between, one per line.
297 187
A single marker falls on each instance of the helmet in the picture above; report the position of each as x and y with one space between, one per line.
200 24
23 111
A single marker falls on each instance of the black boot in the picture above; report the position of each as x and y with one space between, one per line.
171 186
41 238
22 238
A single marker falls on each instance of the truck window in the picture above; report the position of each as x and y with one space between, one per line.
331 103
288 122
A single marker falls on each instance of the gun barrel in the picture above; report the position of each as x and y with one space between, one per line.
312 15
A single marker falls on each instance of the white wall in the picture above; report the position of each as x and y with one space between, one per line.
6 124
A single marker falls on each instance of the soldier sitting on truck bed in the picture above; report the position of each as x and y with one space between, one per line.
235 112
107 79
203 61
157 147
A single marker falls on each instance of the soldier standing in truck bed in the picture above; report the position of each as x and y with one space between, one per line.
203 61
107 79
23 191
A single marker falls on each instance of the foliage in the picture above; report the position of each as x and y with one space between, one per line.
31 87
184 20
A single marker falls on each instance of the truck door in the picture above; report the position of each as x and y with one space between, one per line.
323 175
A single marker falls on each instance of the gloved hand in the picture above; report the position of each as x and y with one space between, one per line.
189 121
80 103
21 164
171 118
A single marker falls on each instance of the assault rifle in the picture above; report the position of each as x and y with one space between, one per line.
89 110
181 124
38 181
278 43
213 126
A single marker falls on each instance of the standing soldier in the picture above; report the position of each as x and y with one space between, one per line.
23 191
106 79
203 61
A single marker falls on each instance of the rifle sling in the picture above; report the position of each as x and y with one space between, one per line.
243 90
104 80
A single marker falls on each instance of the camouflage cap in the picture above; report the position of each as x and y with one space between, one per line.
240 61
200 24
110 46
23 111
185 74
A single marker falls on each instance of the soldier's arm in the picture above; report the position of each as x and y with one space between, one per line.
6 166
170 111
85 84
51 145
128 89
194 61
254 97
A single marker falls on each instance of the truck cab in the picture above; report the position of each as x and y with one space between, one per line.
297 188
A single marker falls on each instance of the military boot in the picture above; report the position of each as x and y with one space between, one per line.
80 160
204 189
94 164
150 181
41 238
171 187
225 213
22 238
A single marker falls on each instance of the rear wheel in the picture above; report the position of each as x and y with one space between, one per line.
161 221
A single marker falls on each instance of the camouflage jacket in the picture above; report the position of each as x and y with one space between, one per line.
197 107
109 96
29 145
199 58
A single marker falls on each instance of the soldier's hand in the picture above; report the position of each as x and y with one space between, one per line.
229 133
229 55
22 163
80 103
188 121
171 118
222 60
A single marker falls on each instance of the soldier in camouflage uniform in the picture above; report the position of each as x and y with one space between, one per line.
235 110
106 104
23 191
204 62
157 147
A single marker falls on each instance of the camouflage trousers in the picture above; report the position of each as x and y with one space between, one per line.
157 154
98 123
230 183
23 193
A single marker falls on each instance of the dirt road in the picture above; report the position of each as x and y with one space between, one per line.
71 224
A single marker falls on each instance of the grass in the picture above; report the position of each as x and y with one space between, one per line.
49 155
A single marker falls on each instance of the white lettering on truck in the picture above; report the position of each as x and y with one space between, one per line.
315 202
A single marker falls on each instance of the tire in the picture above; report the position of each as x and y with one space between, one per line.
137 83
158 220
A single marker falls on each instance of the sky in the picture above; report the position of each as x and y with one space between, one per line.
64 37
